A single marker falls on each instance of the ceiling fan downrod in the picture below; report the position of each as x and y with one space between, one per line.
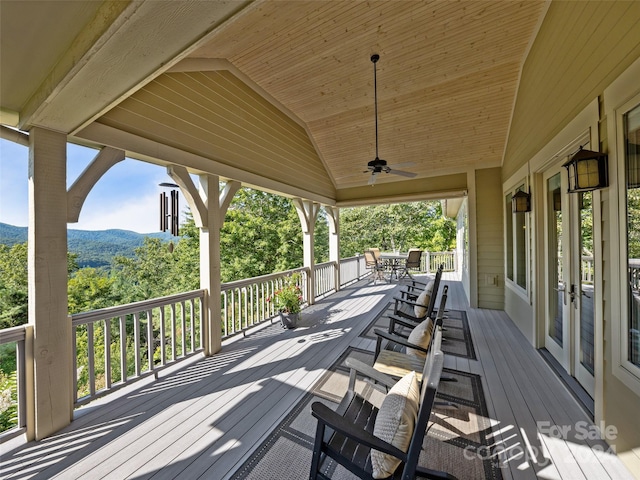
374 58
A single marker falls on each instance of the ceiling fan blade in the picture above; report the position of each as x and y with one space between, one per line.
403 173
372 178
402 165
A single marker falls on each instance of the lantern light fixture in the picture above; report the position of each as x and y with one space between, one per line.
587 171
521 202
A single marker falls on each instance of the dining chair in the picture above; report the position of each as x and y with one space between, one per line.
412 262
373 264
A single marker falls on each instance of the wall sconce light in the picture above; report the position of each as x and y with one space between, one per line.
521 202
587 171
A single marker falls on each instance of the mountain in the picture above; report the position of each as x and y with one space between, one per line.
94 248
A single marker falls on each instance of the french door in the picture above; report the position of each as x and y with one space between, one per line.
569 296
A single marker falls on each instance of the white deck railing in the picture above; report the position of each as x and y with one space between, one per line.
245 302
128 342
432 260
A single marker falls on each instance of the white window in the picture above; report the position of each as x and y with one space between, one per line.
631 152
622 109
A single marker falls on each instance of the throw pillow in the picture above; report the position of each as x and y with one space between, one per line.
395 423
421 336
429 287
422 302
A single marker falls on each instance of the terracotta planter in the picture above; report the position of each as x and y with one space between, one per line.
289 320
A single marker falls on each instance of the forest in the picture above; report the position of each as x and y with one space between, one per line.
261 234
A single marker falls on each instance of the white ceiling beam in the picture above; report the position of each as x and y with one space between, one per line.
154 35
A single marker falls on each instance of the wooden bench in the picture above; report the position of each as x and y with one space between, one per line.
392 359
346 434
405 303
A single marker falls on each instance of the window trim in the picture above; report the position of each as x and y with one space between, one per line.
620 97
511 188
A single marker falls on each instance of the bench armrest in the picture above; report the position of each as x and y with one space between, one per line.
405 323
370 372
406 301
335 421
399 340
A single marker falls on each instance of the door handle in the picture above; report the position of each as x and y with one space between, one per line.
572 294
562 287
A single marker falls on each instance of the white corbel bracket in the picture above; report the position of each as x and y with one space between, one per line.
77 193
180 175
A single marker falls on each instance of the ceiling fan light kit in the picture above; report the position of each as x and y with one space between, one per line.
378 165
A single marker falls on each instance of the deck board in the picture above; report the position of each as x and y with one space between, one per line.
204 420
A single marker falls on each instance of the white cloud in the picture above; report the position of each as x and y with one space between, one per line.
139 214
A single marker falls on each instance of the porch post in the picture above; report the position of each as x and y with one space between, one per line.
52 382
333 215
212 209
308 213
210 262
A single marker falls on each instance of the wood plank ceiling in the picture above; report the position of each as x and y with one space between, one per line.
447 80
447 77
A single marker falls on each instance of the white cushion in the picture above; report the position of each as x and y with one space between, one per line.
429 287
421 336
420 310
395 423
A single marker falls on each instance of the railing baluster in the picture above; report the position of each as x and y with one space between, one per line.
136 342
74 340
21 365
123 349
91 360
174 355
107 353
163 339
183 323
150 340
192 347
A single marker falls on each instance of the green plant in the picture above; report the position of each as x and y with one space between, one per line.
288 299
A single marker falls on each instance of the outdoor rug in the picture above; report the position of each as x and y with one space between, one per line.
457 333
456 441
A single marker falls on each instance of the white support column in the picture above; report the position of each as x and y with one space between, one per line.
333 215
216 204
308 213
210 263
473 239
52 381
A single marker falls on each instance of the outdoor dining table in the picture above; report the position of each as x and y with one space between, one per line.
393 261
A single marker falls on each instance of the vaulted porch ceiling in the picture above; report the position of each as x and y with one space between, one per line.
447 81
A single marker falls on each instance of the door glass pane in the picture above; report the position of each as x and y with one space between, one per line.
556 294
632 163
586 280
520 245
509 231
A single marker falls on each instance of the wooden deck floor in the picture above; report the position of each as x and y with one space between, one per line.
205 419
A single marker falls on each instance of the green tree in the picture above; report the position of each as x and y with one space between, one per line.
185 271
396 227
148 274
14 283
261 235
90 289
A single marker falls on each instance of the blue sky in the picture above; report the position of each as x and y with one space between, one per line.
126 197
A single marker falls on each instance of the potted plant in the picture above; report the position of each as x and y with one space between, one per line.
288 301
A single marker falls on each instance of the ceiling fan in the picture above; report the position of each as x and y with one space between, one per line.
378 165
